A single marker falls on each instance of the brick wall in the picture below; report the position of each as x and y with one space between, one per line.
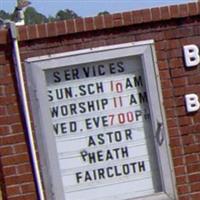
170 27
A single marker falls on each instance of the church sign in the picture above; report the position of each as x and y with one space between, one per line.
99 123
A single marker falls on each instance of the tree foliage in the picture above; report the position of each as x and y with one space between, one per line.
4 15
66 14
103 13
32 16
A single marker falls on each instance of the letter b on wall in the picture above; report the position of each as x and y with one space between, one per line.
191 54
192 102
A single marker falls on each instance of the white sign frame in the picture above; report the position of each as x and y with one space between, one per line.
35 68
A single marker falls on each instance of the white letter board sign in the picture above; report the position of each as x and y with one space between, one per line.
98 123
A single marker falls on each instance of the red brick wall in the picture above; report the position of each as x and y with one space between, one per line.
170 27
